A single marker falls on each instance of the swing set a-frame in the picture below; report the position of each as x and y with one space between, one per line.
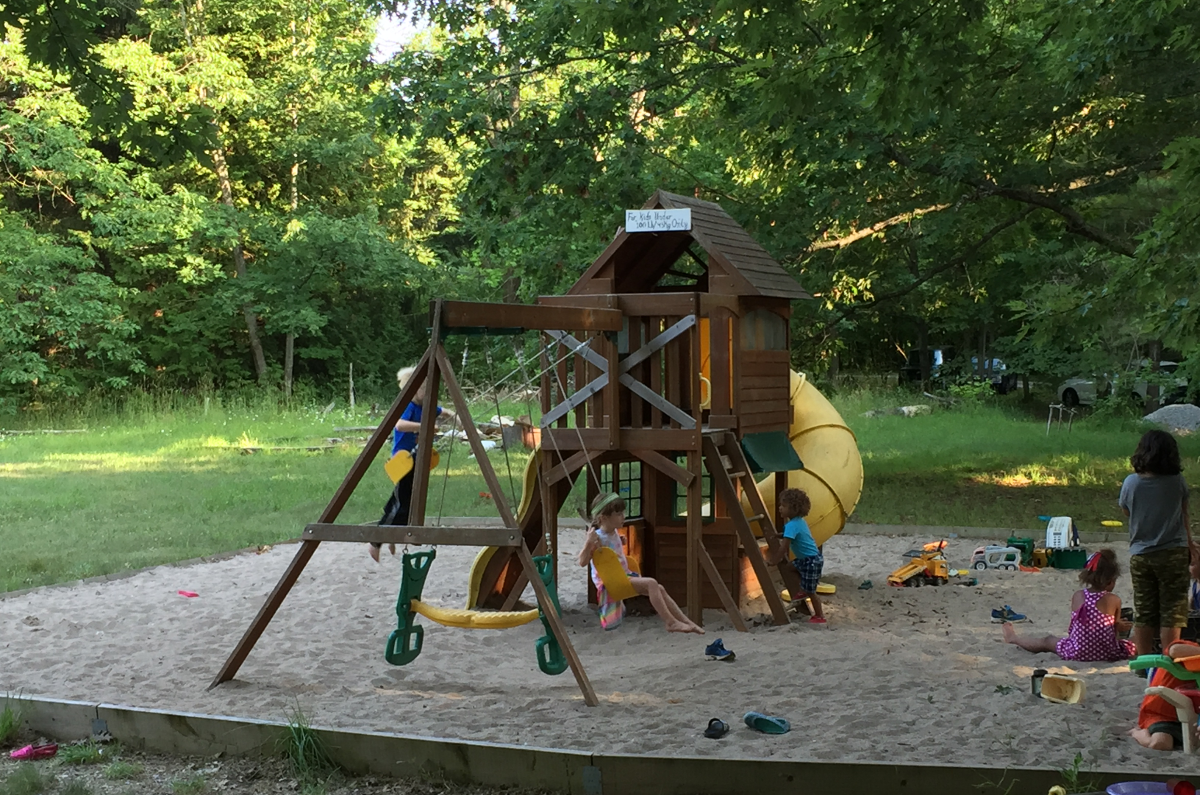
672 377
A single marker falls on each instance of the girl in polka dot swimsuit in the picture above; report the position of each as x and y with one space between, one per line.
1095 618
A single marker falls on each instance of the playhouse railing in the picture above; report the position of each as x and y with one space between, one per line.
664 377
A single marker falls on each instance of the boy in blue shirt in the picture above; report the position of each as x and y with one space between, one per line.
404 437
794 505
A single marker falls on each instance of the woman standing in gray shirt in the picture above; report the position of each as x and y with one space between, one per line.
1155 498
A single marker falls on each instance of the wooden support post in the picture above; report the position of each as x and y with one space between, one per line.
781 483
656 377
714 576
413 534
695 531
550 502
611 404
719 361
424 452
561 374
547 384
556 626
572 465
330 514
664 465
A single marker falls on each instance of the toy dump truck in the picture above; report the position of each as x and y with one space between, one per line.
927 566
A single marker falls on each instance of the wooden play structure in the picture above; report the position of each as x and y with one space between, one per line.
665 376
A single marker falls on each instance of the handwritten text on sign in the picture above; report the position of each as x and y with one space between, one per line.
658 220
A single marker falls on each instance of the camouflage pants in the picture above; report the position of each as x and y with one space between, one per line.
1160 587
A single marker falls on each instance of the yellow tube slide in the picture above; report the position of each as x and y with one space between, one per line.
832 475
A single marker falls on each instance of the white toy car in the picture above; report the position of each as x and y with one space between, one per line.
996 557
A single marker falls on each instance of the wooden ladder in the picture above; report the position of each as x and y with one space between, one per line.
727 464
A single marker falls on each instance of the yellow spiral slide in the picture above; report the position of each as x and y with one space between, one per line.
832 475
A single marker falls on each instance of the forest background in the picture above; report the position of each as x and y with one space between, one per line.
232 195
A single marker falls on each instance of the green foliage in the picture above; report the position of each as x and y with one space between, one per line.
76 787
242 177
12 718
26 779
1008 178
120 770
971 392
1073 782
88 752
193 785
305 751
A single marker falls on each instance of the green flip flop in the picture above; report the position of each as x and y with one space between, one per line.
766 723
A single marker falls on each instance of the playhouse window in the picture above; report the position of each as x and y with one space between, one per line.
625 478
679 504
763 330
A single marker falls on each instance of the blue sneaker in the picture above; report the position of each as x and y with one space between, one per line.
717 651
1007 615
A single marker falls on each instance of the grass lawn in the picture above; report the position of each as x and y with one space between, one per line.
991 466
172 484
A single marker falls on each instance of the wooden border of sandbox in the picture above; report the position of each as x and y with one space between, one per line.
497 765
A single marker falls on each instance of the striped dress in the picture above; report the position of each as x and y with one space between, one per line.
612 611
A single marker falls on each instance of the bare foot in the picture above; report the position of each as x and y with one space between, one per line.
679 626
373 551
696 629
1010 634
1142 736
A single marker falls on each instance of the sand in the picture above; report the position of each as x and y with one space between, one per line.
898 674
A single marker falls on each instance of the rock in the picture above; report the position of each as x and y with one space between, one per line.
1183 418
903 411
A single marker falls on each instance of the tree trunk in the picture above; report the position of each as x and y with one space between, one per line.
1153 390
923 358
289 342
239 262
222 170
981 363
289 345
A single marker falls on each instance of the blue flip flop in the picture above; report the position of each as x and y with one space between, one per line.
767 724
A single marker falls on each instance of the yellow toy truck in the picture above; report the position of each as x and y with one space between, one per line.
927 566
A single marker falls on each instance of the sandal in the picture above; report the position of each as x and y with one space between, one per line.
717 729
31 752
767 724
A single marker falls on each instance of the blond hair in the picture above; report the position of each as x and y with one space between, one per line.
404 375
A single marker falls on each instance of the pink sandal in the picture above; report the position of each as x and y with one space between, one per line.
31 752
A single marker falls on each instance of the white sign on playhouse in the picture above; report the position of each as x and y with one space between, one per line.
658 220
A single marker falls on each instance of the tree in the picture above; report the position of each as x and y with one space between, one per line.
892 154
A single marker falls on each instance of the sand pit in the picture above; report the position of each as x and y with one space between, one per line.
898 675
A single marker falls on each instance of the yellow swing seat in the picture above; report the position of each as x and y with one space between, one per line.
473 619
612 574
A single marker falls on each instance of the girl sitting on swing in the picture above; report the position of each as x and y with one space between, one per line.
608 515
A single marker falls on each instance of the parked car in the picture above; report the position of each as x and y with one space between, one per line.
1086 391
944 365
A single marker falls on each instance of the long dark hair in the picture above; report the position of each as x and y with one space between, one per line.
1157 454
